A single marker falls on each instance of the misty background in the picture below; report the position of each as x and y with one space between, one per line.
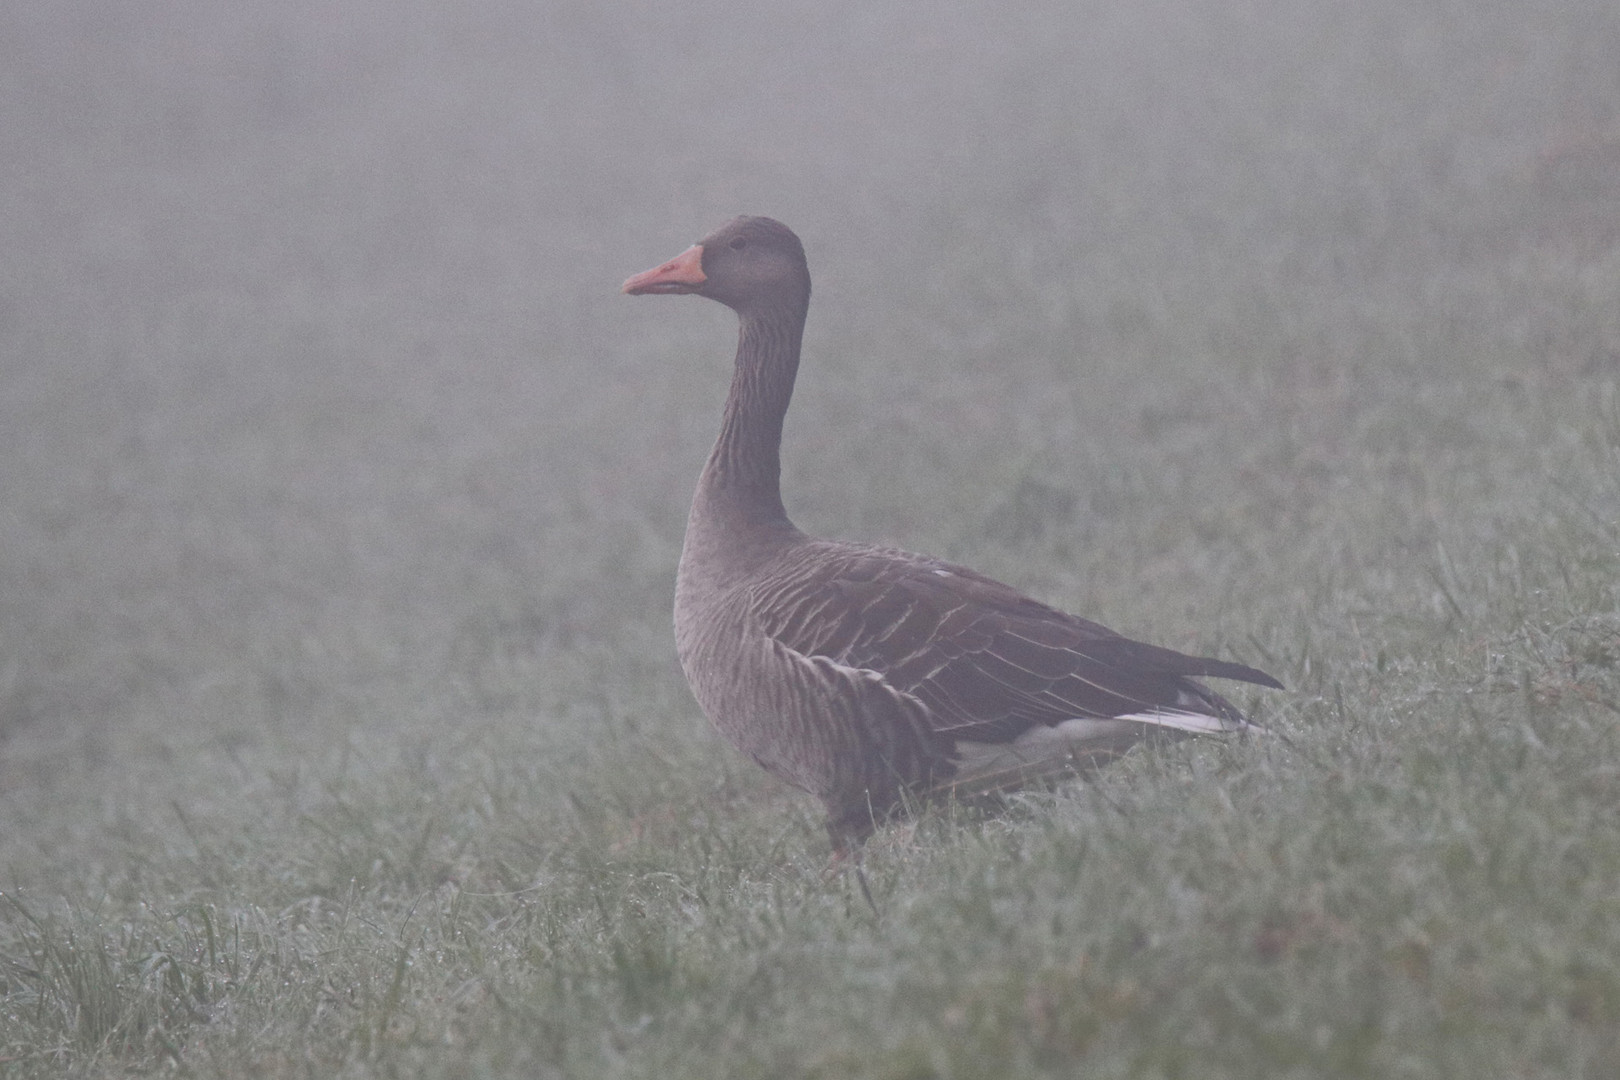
319 392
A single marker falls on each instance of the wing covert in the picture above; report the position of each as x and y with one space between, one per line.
987 662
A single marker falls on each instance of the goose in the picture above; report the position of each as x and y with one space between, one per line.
867 676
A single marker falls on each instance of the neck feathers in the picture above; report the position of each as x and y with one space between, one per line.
742 479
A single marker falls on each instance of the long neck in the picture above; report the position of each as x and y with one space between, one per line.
741 485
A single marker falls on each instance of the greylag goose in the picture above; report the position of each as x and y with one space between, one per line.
865 675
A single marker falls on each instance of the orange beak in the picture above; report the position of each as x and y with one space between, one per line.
682 274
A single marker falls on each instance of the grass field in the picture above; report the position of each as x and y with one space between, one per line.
341 733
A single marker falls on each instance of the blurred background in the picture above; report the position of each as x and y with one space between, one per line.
321 410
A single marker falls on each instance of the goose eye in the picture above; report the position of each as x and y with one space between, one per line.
739 243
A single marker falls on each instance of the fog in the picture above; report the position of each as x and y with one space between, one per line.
317 379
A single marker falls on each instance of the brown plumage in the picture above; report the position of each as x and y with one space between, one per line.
861 674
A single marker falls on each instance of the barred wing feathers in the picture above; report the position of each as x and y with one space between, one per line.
1004 683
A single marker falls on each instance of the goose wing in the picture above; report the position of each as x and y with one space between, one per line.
987 664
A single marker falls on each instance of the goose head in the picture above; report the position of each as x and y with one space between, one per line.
750 264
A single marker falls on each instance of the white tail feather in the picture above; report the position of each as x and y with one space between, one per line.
1045 749
1198 723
